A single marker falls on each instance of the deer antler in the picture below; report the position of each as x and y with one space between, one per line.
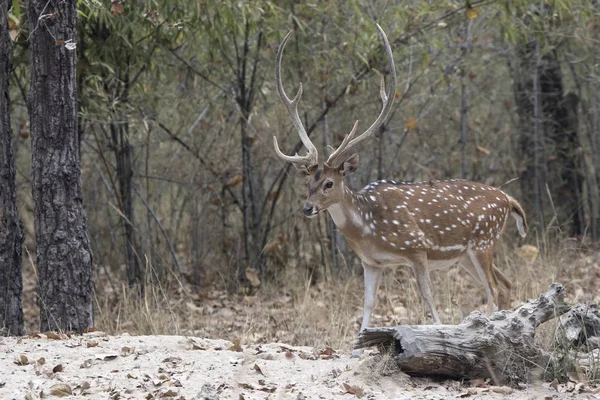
312 156
348 144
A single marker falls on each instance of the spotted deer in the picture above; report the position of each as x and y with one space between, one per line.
427 225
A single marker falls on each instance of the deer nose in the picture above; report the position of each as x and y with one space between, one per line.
308 210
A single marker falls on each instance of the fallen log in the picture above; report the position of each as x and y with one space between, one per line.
501 347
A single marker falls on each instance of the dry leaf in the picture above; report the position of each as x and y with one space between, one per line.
127 351
327 354
501 389
116 7
355 390
470 392
41 361
479 382
106 357
246 386
252 276
554 384
528 252
85 385
236 180
91 343
57 368
54 336
274 195
411 124
22 360
236 346
168 393
257 369
289 355
483 150
61 390
471 13
268 389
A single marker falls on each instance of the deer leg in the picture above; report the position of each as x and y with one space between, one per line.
419 267
504 289
478 264
372 280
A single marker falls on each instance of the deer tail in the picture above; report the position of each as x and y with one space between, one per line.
519 216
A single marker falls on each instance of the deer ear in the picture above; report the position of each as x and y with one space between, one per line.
349 166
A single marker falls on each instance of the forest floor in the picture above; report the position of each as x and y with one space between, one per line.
174 343
99 366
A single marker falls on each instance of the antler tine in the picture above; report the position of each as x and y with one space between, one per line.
312 155
382 93
387 99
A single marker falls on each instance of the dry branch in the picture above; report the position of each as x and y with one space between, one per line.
501 347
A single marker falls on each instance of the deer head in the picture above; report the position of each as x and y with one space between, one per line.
326 184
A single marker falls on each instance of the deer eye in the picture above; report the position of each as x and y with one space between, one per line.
328 184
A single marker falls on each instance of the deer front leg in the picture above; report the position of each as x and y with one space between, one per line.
372 280
419 267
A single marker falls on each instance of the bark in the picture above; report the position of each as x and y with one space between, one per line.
501 347
124 167
11 230
548 140
64 257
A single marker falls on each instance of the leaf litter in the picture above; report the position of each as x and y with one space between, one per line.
164 367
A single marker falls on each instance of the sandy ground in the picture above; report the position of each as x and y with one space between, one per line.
97 366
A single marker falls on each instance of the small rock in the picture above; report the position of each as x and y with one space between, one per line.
207 392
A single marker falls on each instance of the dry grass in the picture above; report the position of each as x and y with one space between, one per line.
328 313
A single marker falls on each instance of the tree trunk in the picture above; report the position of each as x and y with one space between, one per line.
11 231
124 167
548 139
64 257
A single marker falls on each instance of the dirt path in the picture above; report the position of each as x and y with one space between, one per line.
96 366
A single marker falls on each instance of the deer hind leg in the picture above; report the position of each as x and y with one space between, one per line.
504 288
499 283
479 265
419 267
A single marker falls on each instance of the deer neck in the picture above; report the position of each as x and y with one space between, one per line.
348 213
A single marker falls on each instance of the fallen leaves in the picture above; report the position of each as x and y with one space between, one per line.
482 150
411 124
237 347
471 13
257 369
327 354
528 253
61 390
116 7
353 389
22 360
106 356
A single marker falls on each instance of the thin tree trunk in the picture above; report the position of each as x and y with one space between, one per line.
64 257
11 231
464 97
538 142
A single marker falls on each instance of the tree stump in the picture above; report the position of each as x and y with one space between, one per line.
501 346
